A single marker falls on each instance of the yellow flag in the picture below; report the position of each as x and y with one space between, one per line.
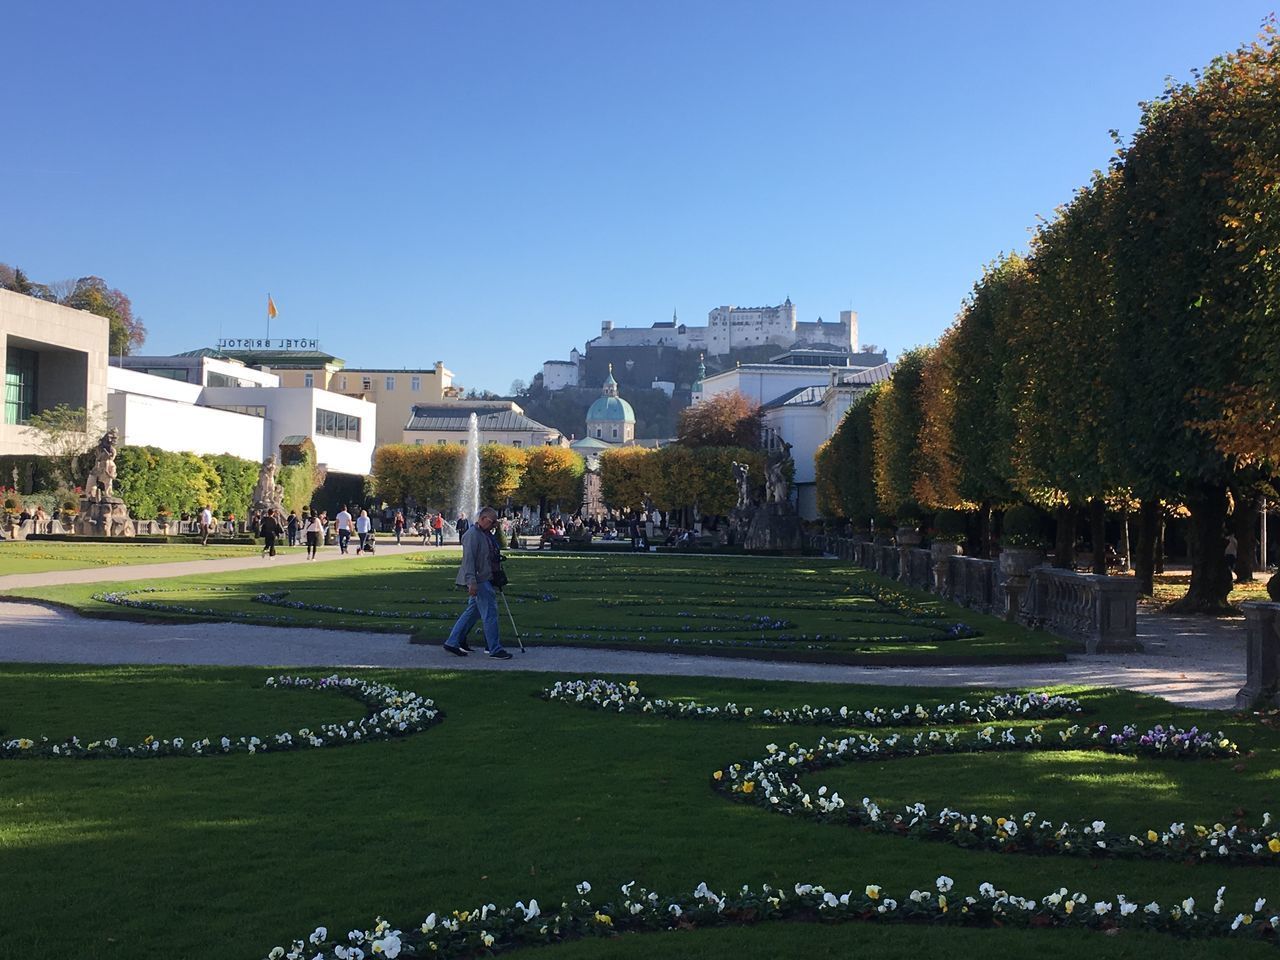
271 308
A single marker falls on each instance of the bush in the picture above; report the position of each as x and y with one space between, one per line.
1022 527
950 527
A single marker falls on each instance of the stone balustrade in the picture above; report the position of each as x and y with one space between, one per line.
1100 612
1262 645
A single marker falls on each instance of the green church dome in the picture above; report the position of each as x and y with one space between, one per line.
611 408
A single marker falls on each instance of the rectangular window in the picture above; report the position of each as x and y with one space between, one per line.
516 443
249 410
344 383
391 383
20 384
442 442
366 384
340 425
415 384
308 380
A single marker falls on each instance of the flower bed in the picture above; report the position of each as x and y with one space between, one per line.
600 694
487 928
772 782
392 713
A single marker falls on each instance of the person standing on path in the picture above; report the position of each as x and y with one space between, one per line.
314 530
398 525
291 528
363 526
206 524
479 559
343 523
437 527
270 529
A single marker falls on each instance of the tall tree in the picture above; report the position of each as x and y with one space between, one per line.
897 422
127 332
725 420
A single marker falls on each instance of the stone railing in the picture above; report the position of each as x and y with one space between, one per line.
1100 612
1262 638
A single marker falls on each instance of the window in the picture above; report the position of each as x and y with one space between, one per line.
516 443
249 410
340 425
20 385
215 379
442 442
343 384
415 384
308 380
179 373
615 433
391 383
366 384
599 434
418 443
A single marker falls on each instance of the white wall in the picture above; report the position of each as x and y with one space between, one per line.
764 382
125 380
558 374
149 421
291 411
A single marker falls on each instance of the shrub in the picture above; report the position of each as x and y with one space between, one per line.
1022 527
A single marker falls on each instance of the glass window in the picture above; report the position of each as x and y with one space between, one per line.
308 380
20 384
366 383
516 443
615 433
391 383
442 442
344 383
415 384
340 425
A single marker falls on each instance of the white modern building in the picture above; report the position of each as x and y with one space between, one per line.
53 355
209 405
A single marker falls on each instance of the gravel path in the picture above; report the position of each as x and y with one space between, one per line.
1187 660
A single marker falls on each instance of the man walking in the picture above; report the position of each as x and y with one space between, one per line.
343 522
270 529
206 525
479 560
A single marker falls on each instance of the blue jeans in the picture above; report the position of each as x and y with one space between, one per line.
344 537
484 607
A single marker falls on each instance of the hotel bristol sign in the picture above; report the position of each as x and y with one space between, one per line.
266 344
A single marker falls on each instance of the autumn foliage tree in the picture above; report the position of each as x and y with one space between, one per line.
725 420
552 475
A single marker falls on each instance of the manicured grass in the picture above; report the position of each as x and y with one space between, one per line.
511 797
1173 586
788 608
39 556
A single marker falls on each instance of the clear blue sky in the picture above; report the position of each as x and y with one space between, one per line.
483 183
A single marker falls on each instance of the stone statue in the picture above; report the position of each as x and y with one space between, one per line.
103 475
776 486
740 477
268 495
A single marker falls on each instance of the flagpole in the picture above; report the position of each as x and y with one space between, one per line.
268 319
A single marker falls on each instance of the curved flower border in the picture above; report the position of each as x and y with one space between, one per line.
601 694
772 782
392 713
488 928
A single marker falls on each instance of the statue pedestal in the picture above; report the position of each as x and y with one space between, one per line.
106 517
771 526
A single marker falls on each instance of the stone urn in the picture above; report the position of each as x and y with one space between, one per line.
908 537
941 550
1019 561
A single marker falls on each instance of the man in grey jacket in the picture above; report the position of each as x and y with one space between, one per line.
479 557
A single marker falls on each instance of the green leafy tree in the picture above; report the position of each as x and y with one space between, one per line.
65 434
896 426
630 474
127 332
500 471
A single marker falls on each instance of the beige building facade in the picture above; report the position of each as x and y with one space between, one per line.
53 355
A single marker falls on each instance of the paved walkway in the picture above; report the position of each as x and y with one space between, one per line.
1188 660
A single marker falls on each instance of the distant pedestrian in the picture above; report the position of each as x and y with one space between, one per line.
269 527
363 526
206 524
314 530
398 525
480 561
343 523
291 527
437 527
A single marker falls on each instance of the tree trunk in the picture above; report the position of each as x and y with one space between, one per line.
1244 523
1210 575
1064 541
1159 558
1098 535
984 530
1144 558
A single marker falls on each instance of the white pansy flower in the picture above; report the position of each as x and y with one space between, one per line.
945 884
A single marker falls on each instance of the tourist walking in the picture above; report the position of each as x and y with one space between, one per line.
480 561
363 526
206 524
461 525
291 527
269 527
343 522
398 525
314 530
437 527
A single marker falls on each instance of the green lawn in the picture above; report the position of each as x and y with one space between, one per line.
512 797
801 609
38 556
